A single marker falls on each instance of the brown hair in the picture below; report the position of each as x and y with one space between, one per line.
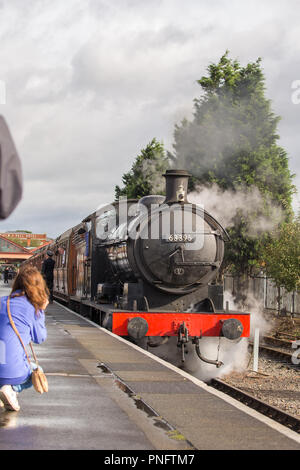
32 284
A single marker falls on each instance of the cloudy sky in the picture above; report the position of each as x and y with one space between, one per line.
90 82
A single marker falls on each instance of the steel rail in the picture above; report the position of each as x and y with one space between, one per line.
277 353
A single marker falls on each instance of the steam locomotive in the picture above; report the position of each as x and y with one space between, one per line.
146 269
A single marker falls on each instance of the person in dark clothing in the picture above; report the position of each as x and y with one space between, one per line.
6 270
47 271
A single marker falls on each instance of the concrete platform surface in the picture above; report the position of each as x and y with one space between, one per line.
105 393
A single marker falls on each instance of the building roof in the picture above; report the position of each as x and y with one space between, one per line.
10 250
8 246
36 248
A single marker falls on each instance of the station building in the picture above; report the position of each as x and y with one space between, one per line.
26 239
11 254
12 249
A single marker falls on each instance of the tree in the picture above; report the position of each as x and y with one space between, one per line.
22 231
282 256
232 142
145 176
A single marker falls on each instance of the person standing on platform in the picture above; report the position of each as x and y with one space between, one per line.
47 271
5 275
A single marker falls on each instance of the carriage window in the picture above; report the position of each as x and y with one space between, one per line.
57 261
61 257
63 261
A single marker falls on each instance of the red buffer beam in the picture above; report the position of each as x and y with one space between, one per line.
167 324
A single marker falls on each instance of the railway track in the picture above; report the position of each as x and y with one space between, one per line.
281 353
277 353
262 407
280 342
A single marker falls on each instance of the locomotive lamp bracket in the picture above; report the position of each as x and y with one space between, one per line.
183 338
180 193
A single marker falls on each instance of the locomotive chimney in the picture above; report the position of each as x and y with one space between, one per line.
176 186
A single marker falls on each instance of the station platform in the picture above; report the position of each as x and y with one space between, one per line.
106 393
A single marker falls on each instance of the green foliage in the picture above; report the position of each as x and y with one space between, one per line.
24 231
243 252
145 176
232 142
282 256
35 243
18 241
24 243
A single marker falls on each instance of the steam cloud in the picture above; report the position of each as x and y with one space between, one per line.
233 354
248 202
152 172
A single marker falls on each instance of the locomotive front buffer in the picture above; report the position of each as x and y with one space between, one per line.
187 327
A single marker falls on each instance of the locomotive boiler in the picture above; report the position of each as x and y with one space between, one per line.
146 269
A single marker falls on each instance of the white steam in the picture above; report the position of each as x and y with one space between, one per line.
152 171
254 307
234 354
262 213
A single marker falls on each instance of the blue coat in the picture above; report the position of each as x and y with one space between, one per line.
14 367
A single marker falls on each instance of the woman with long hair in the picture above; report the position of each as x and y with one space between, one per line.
27 302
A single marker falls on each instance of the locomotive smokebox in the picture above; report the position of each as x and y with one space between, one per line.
176 186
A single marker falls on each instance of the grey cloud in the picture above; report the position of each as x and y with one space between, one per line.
133 66
89 86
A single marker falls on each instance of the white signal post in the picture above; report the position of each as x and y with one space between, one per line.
255 350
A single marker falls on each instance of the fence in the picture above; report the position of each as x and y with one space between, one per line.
264 291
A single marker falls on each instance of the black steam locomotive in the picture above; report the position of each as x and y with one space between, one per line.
147 268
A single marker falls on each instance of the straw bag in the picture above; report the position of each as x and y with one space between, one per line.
39 379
